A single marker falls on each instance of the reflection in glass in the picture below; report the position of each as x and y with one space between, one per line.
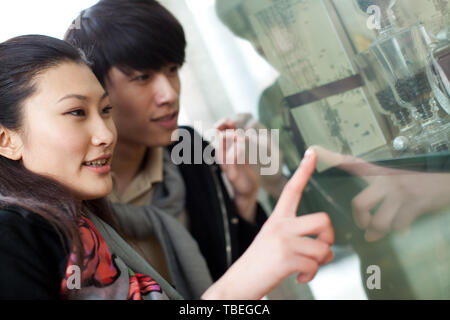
384 7
407 58
437 38
401 117
402 55
311 43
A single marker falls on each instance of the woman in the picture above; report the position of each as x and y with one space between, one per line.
56 143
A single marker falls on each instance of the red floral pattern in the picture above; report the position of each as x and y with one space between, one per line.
99 268
141 285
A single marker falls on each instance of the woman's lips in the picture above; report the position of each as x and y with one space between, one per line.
97 165
100 170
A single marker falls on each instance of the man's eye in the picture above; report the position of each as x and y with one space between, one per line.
77 113
142 77
174 69
107 110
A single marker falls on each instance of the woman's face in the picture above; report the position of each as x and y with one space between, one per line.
68 132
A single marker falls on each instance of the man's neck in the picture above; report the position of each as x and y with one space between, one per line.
127 161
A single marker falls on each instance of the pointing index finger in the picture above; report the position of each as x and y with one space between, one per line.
292 193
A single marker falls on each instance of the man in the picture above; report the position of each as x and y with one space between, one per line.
137 48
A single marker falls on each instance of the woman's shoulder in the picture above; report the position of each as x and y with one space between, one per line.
15 216
14 213
20 227
33 256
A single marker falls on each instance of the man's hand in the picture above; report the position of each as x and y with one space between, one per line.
233 162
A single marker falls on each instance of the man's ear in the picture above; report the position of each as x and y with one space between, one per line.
10 144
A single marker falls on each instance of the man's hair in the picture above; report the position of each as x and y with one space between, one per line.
128 34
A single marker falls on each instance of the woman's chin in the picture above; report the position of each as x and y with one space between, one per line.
99 190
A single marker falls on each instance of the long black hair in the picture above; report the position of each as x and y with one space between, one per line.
128 34
22 59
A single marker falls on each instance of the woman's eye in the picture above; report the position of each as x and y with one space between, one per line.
77 113
107 110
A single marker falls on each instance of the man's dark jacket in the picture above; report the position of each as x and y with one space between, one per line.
214 222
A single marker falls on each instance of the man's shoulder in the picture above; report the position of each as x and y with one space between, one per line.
189 137
189 131
188 128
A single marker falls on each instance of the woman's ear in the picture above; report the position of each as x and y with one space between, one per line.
10 144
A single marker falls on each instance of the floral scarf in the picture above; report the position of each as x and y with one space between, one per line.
103 275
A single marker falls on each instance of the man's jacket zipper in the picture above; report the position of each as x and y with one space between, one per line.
226 223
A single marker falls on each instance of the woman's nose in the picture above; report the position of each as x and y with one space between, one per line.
104 134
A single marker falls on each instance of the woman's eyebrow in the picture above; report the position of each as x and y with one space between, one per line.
74 96
81 97
104 96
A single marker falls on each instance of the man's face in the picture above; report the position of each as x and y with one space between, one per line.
146 104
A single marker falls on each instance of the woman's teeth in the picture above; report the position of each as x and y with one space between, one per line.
97 163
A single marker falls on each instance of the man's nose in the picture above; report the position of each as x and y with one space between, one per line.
166 93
